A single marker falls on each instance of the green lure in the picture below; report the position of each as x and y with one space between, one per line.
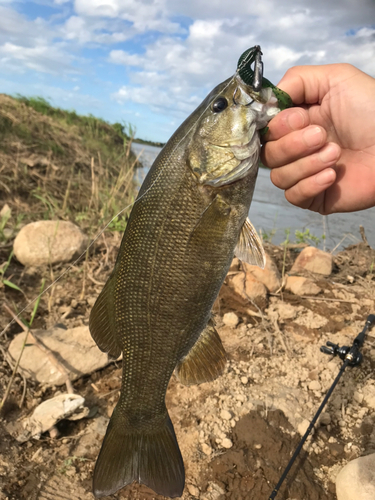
247 74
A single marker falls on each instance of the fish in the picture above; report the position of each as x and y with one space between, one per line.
188 221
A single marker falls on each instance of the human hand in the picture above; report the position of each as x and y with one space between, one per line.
323 153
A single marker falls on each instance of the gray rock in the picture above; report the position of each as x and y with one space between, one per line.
75 349
49 242
356 481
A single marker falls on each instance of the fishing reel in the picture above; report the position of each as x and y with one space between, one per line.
351 355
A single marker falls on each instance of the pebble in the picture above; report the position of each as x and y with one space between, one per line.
244 380
207 450
226 443
193 490
302 427
325 418
225 415
231 319
315 385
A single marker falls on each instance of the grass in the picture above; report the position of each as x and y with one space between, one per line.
57 164
304 236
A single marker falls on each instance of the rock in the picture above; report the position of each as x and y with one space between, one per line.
315 386
226 443
207 450
301 286
49 242
75 349
231 319
358 396
303 426
325 418
269 276
285 310
314 260
225 415
193 490
336 449
369 395
48 413
356 481
249 288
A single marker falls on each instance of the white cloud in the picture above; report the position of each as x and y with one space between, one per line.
174 61
143 14
85 30
42 58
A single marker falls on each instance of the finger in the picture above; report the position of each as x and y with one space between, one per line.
293 146
287 176
287 121
305 192
306 84
309 84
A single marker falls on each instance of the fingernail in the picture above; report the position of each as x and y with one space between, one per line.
313 136
296 120
329 153
325 177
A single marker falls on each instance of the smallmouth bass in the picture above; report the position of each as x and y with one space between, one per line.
190 215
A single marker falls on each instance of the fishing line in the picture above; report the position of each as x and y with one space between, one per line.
351 356
243 63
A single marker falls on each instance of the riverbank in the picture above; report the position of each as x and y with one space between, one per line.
237 433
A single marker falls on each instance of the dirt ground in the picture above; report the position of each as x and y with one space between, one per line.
237 433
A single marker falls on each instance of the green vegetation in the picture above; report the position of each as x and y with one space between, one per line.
56 164
307 237
3 269
301 237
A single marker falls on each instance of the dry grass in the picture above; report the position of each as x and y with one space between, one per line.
55 164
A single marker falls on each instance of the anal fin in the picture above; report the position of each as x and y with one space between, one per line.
205 361
101 322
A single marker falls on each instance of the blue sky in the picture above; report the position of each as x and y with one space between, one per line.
151 62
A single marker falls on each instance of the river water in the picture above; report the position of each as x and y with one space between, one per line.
272 215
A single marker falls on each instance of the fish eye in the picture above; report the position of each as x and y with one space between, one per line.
219 105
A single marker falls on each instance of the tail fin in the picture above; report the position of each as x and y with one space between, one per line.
153 459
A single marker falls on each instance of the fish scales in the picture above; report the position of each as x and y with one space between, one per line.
167 303
155 308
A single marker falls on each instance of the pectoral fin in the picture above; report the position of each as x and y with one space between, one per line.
101 322
212 223
249 246
205 361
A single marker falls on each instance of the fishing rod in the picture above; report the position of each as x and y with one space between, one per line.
351 356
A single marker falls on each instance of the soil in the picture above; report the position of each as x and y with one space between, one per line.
237 433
